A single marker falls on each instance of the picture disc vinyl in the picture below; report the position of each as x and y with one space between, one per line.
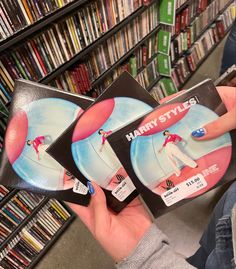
96 160
156 172
46 118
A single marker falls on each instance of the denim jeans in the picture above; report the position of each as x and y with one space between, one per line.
229 54
216 246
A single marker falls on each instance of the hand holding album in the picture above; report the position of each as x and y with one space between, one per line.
119 233
175 127
225 123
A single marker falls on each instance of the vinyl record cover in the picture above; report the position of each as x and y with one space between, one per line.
167 166
38 115
86 153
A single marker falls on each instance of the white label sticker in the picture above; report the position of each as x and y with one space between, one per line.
124 189
79 187
184 189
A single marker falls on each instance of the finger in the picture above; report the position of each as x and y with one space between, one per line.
228 96
224 124
84 213
101 214
167 98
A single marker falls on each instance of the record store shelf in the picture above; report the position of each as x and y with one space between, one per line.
124 57
148 62
40 24
25 221
36 210
55 237
185 4
92 46
149 88
203 59
203 31
8 197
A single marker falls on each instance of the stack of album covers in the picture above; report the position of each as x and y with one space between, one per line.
24 248
124 141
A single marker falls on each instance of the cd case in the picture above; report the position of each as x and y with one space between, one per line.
38 115
227 77
167 166
86 153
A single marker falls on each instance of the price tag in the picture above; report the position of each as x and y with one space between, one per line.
184 189
124 189
79 187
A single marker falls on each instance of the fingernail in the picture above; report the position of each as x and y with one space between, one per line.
199 132
90 188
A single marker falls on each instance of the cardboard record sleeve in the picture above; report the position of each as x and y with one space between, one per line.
86 152
38 115
166 164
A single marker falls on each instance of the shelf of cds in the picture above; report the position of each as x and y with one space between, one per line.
194 44
54 49
82 51
186 35
29 225
202 48
99 66
181 4
135 64
103 36
20 19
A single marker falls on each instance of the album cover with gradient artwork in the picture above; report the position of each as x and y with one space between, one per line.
167 165
38 115
86 152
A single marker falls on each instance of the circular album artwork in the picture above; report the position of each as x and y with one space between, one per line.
172 156
30 132
92 154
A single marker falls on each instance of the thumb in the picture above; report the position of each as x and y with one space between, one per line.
167 98
224 124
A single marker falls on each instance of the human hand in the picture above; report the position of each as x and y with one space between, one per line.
225 123
117 234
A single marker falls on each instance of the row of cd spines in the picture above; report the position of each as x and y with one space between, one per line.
142 56
186 38
24 248
16 210
34 60
188 64
16 15
3 192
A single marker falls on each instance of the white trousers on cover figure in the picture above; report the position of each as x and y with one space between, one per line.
173 152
